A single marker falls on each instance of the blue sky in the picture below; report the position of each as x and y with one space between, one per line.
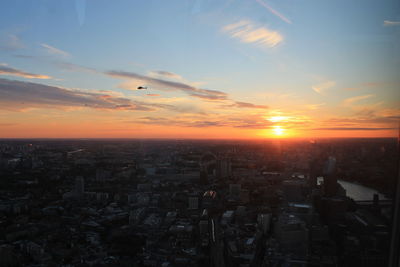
339 58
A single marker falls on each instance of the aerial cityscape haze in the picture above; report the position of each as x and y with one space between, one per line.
221 133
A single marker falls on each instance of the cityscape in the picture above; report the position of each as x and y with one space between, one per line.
200 133
197 203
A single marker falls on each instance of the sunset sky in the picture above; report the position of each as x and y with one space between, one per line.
213 69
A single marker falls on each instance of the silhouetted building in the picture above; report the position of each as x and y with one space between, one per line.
203 174
330 178
394 260
224 168
79 185
193 203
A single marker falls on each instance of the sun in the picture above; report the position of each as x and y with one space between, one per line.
278 130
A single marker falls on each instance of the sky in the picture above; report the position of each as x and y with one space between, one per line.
211 69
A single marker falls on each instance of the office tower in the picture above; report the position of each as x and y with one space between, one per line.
203 174
330 178
79 186
394 258
264 222
193 203
224 168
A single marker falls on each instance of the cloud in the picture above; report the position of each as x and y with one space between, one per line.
166 74
11 42
74 67
352 100
54 51
319 88
238 104
314 106
19 95
273 11
167 85
153 94
7 124
24 56
351 129
378 118
248 32
388 23
4 70
219 121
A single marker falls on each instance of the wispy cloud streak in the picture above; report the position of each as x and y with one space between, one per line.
5 70
20 95
166 74
171 85
352 100
388 23
11 42
352 129
248 32
320 88
273 11
238 104
54 51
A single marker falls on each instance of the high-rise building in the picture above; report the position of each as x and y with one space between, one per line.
330 178
394 258
224 168
203 174
193 203
264 222
79 186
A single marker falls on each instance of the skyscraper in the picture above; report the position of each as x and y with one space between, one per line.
394 258
79 186
224 168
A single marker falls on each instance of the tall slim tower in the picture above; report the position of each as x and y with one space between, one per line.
394 258
224 168
79 186
330 179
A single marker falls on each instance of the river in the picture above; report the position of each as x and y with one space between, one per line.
357 191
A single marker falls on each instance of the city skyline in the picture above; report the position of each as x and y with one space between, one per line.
211 69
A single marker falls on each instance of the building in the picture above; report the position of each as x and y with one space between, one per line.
79 186
292 234
264 222
234 190
294 190
223 168
193 203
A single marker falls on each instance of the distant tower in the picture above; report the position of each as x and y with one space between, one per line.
330 178
394 259
193 203
79 186
224 168
206 161
203 174
312 179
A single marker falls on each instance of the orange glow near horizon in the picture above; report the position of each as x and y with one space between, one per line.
89 123
278 130
92 130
